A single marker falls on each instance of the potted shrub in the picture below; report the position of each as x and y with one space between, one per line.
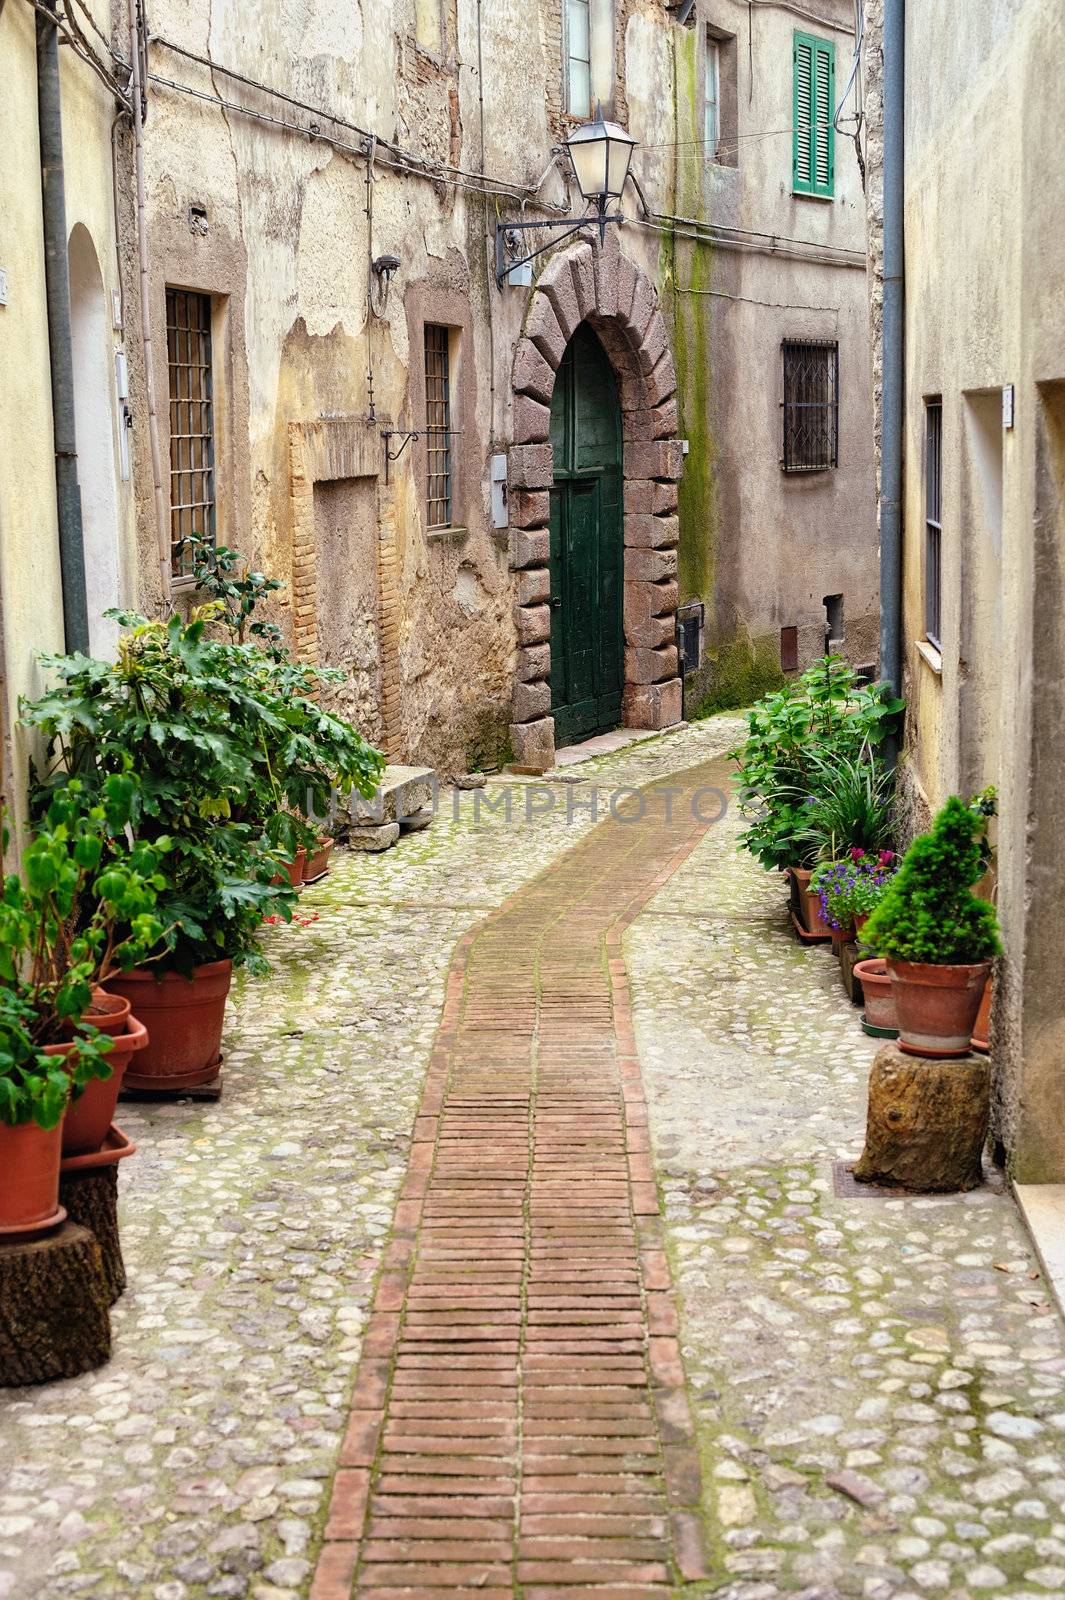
82 909
807 743
234 751
851 889
880 1018
938 938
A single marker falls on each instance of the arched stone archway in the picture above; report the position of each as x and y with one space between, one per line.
603 287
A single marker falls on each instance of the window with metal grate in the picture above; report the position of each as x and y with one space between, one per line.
437 426
192 474
933 507
811 405
813 107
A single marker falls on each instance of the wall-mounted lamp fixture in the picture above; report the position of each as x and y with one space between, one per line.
600 153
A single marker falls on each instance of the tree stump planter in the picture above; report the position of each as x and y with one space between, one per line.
88 1188
54 1321
927 1122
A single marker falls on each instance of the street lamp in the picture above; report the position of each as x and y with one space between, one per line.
599 153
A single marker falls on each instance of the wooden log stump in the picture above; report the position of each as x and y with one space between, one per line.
927 1122
91 1199
54 1321
849 958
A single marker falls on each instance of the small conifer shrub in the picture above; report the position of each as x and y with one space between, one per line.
929 912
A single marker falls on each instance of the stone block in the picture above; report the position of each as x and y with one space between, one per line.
665 420
650 633
531 420
528 508
607 264
654 343
401 792
660 458
650 666
531 701
533 744
639 496
529 547
644 306
644 600
532 661
582 267
663 498
533 624
661 381
373 838
542 328
415 823
652 705
531 466
532 374
651 533
650 566
557 284
533 586
628 273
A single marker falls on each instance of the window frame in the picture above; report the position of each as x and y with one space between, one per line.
568 58
712 55
933 521
180 568
806 183
432 430
790 350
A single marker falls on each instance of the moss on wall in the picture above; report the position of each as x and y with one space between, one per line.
687 264
735 673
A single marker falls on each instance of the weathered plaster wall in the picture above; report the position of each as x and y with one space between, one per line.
985 299
30 590
285 254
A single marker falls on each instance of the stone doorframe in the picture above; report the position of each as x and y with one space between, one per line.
603 287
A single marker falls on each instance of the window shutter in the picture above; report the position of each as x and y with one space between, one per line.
813 165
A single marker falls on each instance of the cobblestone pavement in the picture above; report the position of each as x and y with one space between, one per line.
878 1384
197 1462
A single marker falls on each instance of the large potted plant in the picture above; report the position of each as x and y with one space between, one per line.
234 752
805 744
82 909
938 938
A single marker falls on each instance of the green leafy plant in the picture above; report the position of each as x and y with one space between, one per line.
794 735
854 886
851 805
234 754
929 913
227 578
83 910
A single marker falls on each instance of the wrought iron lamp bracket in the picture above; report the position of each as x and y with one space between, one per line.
407 436
505 263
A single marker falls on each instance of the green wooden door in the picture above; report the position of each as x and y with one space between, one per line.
587 651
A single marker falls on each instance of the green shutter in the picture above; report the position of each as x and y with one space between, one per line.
813 107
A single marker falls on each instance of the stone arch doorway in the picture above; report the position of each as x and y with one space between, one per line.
94 432
602 288
587 544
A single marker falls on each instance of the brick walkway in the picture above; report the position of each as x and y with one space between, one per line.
519 1424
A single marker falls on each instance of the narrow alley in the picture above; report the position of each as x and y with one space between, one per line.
536 1136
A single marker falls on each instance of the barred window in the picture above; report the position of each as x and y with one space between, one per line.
437 427
192 482
811 405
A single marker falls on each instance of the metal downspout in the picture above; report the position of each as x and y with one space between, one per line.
60 353
892 416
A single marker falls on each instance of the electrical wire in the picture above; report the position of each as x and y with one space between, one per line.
774 305
71 34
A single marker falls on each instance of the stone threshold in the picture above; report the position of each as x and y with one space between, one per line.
1042 1205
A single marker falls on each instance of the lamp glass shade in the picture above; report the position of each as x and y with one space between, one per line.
600 152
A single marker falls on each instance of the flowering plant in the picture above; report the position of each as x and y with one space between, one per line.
854 886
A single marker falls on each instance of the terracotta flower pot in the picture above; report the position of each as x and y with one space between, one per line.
184 1020
981 1039
878 995
29 1178
294 869
88 1118
937 1005
809 903
108 1012
318 864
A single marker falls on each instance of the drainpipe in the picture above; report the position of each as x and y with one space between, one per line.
892 415
60 353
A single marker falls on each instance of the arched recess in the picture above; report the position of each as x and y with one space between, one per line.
603 287
94 430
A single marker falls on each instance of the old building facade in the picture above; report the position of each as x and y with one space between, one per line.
983 491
